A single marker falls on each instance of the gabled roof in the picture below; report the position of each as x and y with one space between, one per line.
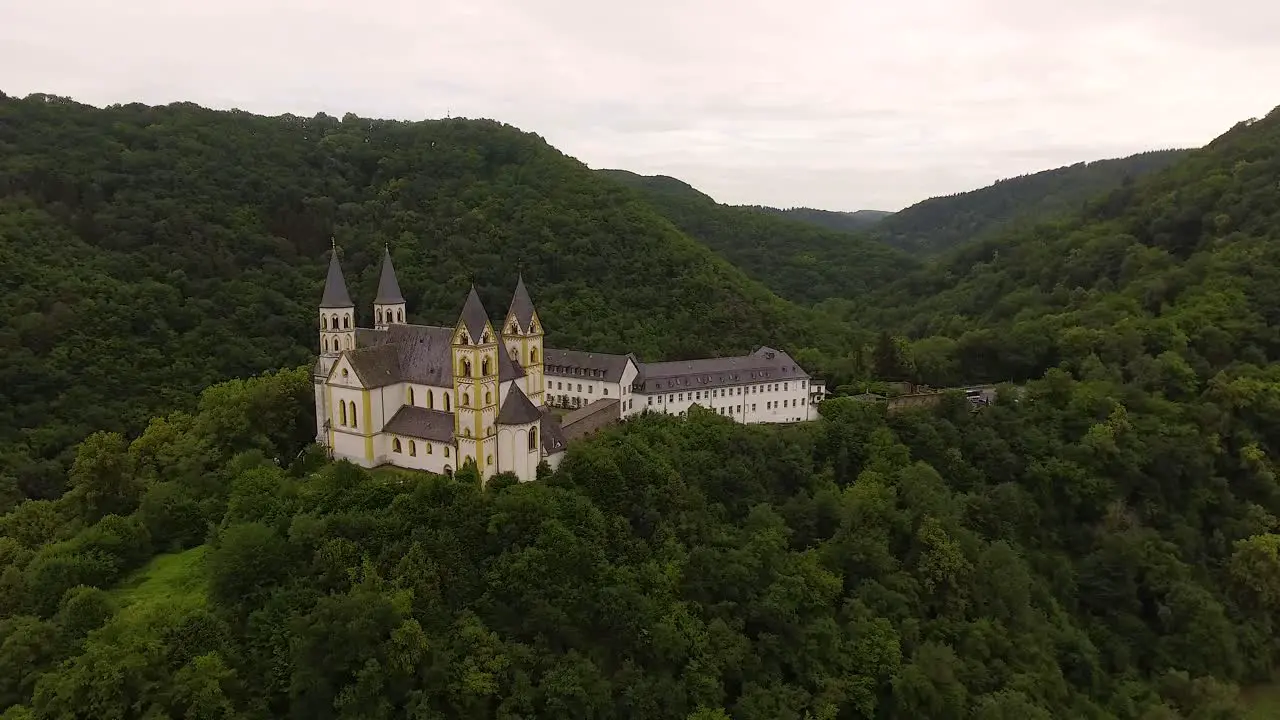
474 317
335 286
419 422
765 364
518 409
404 353
521 305
388 286
611 366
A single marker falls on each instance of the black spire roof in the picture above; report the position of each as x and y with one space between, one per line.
521 304
388 287
335 286
474 317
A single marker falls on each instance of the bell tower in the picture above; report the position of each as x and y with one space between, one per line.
388 305
475 386
337 315
522 334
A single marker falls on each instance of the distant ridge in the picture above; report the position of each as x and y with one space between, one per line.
939 224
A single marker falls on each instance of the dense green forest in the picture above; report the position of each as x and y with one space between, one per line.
151 251
1102 543
1089 551
798 260
855 221
940 224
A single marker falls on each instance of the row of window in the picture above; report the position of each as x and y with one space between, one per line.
326 323
343 417
698 395
413 447
397 317
590 389
431 398
336 344
577 371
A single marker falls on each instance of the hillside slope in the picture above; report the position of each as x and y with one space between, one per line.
150 251
941 223
1166 281
796 259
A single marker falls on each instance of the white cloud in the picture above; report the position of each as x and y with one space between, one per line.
827 103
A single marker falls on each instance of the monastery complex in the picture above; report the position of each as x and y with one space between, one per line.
434 398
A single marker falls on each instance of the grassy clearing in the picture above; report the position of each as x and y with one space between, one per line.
170 580
1262 701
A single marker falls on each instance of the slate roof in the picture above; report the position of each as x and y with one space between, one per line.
405 353
335 286
552 440
507 368
764 365
419 422
521 304
474 317
563 363
518 409
388 287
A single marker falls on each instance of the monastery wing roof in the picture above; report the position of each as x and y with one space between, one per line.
553 440
764 364
518 409
564 362
419 422
507 368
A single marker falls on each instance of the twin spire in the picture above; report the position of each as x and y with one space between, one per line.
474 316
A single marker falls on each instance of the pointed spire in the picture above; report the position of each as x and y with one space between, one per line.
474 317
388 286
521 304
335 285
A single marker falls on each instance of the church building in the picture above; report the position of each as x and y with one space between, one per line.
435 398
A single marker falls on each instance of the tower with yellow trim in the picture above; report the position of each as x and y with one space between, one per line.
522 335
475 381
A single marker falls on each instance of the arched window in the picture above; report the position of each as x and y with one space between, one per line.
353 413
334 322
399 316
533 439
533 355
395 444
379 316
346 321
446 402
413 449
484 338
410 394
515 329
343 408
488 460
488 431
488 398
324 322
466 399
465 340
431 399
466 432
429 448
484 367
448 470
446 451
466 367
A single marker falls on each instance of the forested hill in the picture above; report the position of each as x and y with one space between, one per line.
941 223
150 251
1166 282
855 221
797 259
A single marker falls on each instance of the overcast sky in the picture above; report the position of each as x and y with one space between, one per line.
840 104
